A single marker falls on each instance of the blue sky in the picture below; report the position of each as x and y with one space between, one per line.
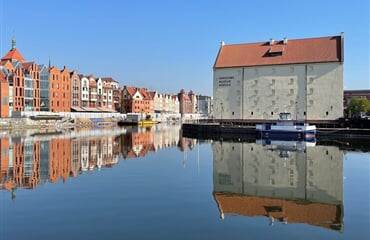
169 45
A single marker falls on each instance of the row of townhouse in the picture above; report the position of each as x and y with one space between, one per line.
141 100
27 86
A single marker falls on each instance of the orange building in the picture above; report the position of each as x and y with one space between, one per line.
4 159
136 100
4 96
60 90
60 159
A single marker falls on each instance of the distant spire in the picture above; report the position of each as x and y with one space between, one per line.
13 43
49 63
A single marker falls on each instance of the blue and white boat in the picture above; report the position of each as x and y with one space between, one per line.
286 128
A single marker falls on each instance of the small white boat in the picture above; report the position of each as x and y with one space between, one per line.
286 128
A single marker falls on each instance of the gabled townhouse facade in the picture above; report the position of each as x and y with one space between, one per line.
60 91
75 90
136 100
85 91
257 81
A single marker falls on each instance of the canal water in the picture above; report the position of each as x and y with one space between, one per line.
150 183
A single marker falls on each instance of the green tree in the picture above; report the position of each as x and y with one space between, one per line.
358 105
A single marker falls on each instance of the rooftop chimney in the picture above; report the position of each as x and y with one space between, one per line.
222 43
285 41
271 41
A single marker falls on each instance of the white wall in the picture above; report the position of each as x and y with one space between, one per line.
312 91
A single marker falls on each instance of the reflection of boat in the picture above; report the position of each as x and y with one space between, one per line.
286 128
286 145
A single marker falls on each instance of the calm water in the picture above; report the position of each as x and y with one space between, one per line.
153 184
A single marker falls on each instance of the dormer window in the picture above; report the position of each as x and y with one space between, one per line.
276 50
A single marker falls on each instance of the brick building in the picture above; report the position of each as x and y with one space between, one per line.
187 102
60 91
136 100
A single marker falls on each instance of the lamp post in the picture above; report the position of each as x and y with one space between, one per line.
222 110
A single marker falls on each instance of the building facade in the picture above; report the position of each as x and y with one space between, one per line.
75 90
44 88
187 102
136 100
60 91
349 94
257 81
4 94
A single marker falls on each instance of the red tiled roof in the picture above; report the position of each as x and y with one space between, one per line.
92 83
131 90
27 65
310 50
108 79
13 54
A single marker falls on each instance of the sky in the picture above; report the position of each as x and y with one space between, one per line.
166 45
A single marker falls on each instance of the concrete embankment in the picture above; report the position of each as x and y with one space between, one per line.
217 131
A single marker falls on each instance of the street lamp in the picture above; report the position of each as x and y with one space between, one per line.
222 110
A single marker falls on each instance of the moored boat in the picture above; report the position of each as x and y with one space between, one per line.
286 128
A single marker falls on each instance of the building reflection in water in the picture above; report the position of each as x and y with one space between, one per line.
288 182
38 159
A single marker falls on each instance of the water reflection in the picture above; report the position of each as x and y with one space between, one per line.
27 161
286 182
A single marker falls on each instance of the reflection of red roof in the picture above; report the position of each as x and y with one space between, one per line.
310 50
318 214
13 54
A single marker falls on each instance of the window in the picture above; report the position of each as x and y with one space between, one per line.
310 80
272 81
327 113
272 113
252 113
311 102
311 90
291 81
291 91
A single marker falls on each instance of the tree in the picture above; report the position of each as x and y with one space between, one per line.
358 105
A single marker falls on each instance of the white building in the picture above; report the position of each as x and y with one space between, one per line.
257 81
